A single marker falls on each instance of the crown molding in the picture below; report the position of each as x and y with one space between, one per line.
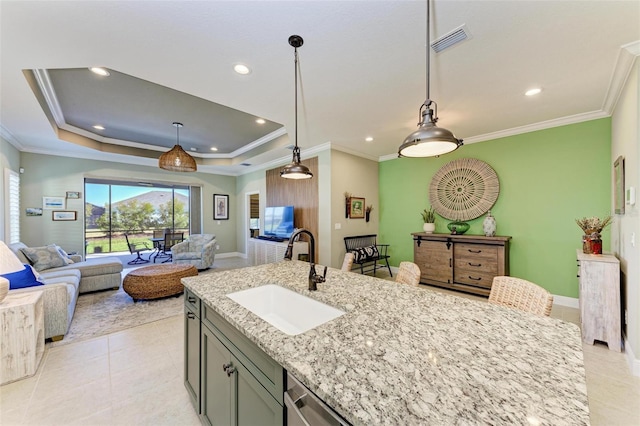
8 136
624 65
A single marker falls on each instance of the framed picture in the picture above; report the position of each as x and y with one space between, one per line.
220 207
618 185
73 194
356 208
53 203
64 215
33 211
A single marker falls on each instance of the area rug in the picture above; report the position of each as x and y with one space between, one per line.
110 311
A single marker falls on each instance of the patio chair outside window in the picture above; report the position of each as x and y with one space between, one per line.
136 248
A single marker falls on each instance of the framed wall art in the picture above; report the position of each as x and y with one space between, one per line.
53 203
618 185
64 215
73 194
220 207
356 208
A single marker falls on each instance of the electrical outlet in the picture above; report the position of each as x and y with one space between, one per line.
337 226
217 246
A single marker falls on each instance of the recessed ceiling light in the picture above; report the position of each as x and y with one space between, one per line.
98 127
368 139
194 149
260 121
100 71
241 69
533 92
213 148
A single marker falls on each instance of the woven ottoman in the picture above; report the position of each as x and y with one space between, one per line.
154 282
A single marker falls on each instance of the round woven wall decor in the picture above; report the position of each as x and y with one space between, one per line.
464 189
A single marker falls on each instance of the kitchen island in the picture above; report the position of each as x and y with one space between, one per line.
408 355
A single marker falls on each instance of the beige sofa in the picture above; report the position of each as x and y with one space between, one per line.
59 297
65 283
96 274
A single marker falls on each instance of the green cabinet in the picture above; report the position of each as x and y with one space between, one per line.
236 382
231 395
192 327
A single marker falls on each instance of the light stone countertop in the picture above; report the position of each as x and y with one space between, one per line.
406 355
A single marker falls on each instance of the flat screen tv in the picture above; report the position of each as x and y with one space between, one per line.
278 221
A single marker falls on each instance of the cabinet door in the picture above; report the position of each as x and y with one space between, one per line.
216 394
192 357
435 259
255 406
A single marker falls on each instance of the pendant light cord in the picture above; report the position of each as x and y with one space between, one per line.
428 101
295 66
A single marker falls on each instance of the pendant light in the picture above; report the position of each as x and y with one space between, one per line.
177 160
429 140
296 170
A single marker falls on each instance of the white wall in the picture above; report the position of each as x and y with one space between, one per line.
625 139
359 177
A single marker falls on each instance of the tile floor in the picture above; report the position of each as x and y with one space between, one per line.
135 377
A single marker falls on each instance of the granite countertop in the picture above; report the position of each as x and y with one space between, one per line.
407 355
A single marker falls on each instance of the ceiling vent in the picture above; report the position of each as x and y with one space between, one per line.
456 36
245 164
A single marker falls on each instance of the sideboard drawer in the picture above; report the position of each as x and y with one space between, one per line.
475 278
475 252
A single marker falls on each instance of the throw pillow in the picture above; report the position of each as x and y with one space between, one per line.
64 255
22 279
44 257
364 253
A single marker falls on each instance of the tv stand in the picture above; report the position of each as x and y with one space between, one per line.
260 251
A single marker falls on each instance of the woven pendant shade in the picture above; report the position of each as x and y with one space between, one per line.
464 189
176 159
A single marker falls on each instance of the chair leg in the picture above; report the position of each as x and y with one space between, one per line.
137 260
388 267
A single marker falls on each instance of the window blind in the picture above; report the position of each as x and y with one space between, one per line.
12 195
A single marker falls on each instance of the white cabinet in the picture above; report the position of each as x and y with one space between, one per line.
599 277
263 251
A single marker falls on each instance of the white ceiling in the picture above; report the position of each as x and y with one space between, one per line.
362 65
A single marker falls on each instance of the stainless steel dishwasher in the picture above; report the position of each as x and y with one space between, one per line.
306 409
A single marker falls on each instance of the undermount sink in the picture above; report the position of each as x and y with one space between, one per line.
288 311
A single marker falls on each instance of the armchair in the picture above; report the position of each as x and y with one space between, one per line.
198 250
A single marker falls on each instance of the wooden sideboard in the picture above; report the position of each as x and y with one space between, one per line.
600 317
461 262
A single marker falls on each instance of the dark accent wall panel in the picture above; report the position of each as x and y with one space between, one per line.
302 194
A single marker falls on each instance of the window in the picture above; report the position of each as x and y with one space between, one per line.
12 212
114 208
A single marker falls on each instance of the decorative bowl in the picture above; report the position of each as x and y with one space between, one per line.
458 228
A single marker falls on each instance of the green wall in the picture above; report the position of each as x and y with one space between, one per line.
548 178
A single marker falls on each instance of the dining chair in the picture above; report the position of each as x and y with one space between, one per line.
520 294
408 273
170 239
136 248
347 263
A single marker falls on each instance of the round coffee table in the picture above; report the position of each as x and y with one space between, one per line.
154 282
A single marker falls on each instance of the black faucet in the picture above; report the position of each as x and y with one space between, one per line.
314 278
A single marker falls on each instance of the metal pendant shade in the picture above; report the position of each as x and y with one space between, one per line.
429 140
177 159
295 169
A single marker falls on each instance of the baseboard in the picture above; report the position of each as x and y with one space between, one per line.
231 254
634 363
570 302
